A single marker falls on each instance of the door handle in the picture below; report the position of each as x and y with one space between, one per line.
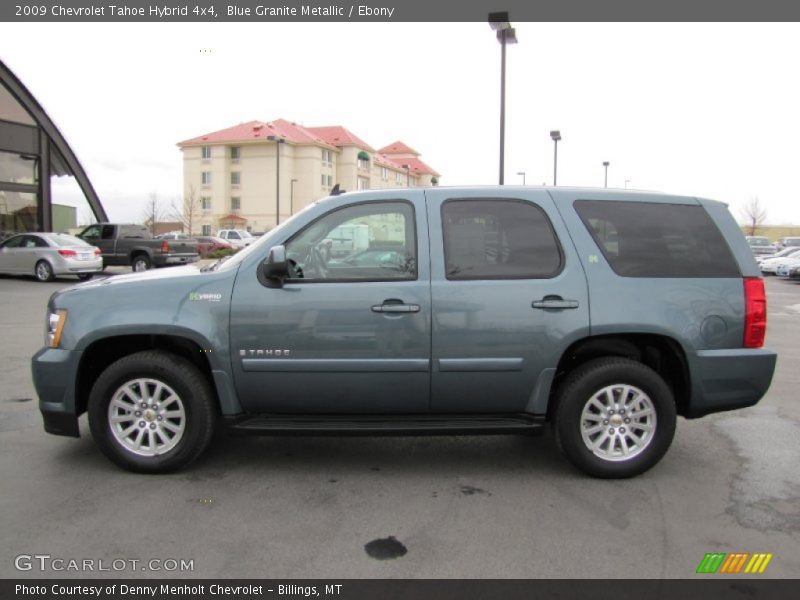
395 306
554 302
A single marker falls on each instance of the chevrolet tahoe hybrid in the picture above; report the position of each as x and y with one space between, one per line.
604 314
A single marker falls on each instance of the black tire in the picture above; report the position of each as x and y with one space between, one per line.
43 271
186 381
85 276
575 392
140 262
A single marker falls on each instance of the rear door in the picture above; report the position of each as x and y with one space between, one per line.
508 294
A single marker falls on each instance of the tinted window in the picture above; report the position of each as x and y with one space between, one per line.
642 239
374 241
498 239
14 242
131 231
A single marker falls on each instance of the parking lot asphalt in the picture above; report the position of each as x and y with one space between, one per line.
418 507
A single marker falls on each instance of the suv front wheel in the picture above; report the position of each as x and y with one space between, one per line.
615 417
152 412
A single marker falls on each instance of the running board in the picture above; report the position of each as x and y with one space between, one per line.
386 424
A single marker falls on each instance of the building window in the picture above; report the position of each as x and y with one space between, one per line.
206 177
205 202
236 178
330 180
236 152
384 173
363 183
327 181
363 160
399 176
205 152
236 203
327 157
206 229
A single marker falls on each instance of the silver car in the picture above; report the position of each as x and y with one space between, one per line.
47 255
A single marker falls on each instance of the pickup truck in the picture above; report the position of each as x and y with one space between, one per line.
134 246
604 314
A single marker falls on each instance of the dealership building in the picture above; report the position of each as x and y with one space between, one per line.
43 187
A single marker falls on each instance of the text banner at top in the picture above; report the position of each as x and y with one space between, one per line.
397 10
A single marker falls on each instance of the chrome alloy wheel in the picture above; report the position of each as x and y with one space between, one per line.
146 417
618 422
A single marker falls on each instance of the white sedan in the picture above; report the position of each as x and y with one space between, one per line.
47 255
770 264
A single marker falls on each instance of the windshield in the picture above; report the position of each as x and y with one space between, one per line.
758 241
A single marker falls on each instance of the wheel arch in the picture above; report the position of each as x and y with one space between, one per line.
101 352
663 354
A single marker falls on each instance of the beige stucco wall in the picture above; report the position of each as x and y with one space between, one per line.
257 166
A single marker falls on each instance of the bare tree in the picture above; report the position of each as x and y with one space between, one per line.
754 214
152 212
186 215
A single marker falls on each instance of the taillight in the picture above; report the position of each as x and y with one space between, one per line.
164 246
98 252
755 312
67 253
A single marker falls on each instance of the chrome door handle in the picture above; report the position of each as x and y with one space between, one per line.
395 308
554 302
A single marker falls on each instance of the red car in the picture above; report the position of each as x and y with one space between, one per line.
208 244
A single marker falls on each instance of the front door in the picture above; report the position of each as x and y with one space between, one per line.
349 331
509 295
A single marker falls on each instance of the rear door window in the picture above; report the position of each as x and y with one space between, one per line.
495 238
647 239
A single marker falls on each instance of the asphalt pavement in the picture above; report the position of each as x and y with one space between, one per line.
417 507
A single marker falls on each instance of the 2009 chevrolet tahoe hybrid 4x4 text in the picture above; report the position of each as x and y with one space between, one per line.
477 310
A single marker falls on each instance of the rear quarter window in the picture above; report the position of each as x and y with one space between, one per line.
643 239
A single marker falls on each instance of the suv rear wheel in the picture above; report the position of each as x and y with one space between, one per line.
152 412
615 417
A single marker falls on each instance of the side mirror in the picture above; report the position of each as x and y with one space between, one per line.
275 268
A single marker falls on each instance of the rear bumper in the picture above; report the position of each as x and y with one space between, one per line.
174 259
729 379
54 371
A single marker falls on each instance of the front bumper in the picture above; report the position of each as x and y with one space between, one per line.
729 379
54 371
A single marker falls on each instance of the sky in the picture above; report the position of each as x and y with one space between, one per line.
705 109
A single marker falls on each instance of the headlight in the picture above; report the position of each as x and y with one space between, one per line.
55 325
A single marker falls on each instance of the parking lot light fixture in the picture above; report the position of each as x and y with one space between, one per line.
523 176
605 164
278 141
506 34
555 135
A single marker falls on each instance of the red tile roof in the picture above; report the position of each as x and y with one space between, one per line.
257 131
415 165
236 218
398 147
336 135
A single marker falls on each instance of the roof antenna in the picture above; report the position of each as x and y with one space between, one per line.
336 191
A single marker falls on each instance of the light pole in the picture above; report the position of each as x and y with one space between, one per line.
278 141
408 175
523 176
556 137
605 164
498 21
291 196
627 181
